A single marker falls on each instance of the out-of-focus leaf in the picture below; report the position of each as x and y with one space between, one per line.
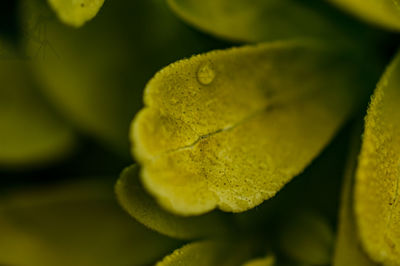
95 74
267 261
377 177
74 224
198 254
30 132
307 238
76 12
230 128
259 20
382 12
143 208
348 250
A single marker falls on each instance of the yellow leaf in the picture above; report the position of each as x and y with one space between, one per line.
318 181
76 12
377 177
230 128
348 250
382 12
143 208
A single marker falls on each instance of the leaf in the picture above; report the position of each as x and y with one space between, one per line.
31 134
377 177
73 224
260 20
143 208
385 13
316 189
266 261
76 12
348 250
94 75
198 253
230 128
306 238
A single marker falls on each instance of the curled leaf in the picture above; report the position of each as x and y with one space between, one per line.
348 250
144 209
230 128
76 12
74 224
382 12
377 177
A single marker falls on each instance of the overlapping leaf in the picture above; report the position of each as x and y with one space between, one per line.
221 243
143 208
348 250
229 128
377 177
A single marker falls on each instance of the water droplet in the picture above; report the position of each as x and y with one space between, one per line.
205 74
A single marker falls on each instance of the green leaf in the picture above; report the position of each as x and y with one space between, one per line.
260 20
385 13
30 131
197 254
348 250
266 261
230 128
306 238
76 13
143 208
94 75
74 224
377 177
223 252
